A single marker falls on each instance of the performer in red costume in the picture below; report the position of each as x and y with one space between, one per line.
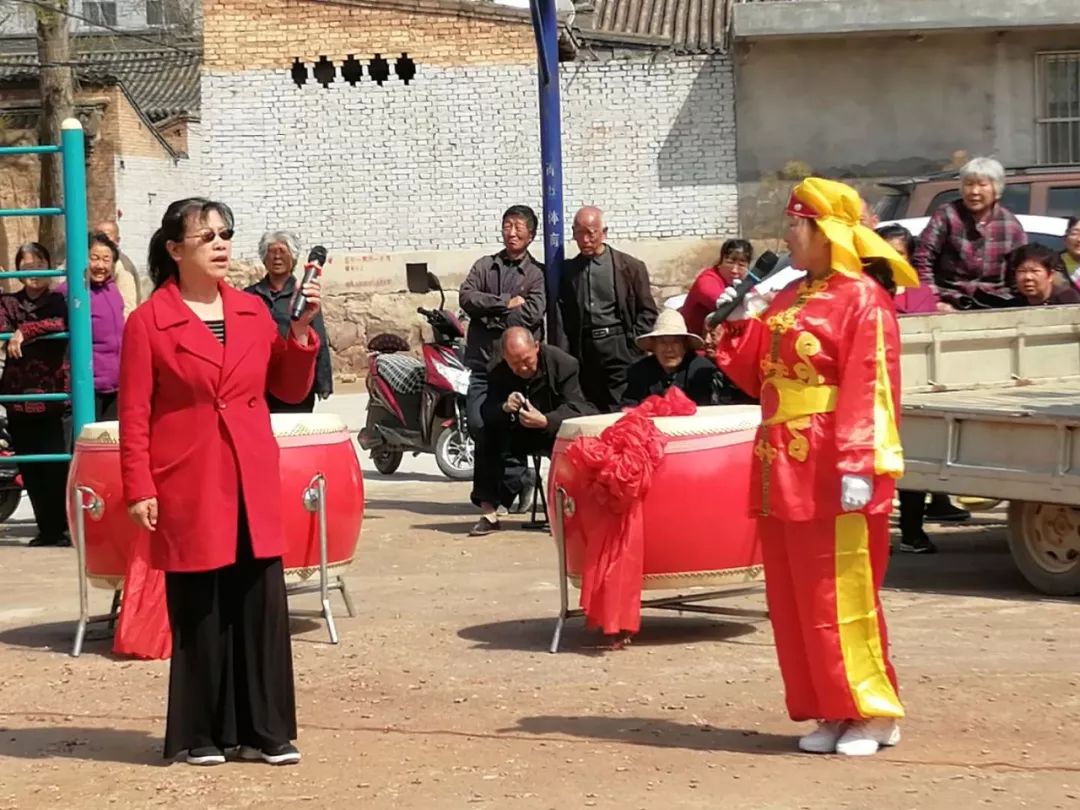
823 358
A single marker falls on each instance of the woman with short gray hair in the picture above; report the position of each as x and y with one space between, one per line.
280 251
962 251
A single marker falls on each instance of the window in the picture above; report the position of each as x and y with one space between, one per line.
103 13
1063 201
1017 198
1058 97
155 12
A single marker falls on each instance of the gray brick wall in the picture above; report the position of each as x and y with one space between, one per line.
432 165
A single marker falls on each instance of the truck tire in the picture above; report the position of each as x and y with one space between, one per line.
1044 539
455 454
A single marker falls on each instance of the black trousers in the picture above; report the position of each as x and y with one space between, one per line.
604 362
231 675
501 463
474 401
105 406
45 482
307 405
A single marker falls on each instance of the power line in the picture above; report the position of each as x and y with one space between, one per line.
96 24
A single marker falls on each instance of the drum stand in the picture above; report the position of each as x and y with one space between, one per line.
683 603
93 505
315 501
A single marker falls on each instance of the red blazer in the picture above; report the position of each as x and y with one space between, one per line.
194 424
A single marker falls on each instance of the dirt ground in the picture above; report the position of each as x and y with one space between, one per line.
442 695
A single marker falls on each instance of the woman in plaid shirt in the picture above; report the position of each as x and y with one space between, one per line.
961 253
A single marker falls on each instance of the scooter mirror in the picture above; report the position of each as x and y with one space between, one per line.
433 282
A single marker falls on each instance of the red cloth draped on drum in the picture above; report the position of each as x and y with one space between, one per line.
619 467
143 628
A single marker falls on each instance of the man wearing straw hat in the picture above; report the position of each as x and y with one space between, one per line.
672 361
824 359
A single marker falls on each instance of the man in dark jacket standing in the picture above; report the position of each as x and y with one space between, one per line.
605 304
531 390
279 251
502 291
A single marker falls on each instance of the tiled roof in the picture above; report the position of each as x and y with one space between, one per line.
162 83
684 26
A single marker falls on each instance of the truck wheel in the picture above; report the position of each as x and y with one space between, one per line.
1044 539
386 461
454 453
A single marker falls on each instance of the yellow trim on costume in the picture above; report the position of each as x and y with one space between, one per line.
857 620
797 399
888 452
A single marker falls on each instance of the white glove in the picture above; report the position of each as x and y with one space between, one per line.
751 306
855 492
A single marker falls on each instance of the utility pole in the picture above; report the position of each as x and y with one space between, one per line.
56 80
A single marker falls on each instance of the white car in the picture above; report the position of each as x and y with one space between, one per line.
1048 231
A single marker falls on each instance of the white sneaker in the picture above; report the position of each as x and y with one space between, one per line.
863 738
822 740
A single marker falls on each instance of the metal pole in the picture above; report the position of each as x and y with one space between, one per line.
76 229
75 496
546 28
324 591
560 545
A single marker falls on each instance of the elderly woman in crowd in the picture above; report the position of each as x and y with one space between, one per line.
961 253
1038 275
36 366
280 251
1071 254
672 361
106 322
735 257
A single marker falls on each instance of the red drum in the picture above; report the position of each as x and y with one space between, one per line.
313 443
698 531
310 444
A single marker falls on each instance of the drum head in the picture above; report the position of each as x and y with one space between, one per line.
707 421
306 424
100 433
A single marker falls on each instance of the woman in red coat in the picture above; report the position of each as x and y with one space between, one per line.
200 471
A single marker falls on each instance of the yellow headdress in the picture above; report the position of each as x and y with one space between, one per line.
837 209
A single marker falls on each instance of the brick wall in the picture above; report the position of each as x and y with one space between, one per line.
431 165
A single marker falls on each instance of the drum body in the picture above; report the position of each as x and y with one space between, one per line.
310 444
697 524
95 464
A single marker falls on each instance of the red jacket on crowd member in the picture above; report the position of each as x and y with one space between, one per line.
196 427
701 300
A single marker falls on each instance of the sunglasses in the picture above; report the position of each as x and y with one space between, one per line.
206 237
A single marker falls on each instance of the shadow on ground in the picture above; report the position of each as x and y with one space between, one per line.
417 507
534 635
60 636
656 733
90 744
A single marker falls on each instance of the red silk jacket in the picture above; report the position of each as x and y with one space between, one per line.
195 428
824 359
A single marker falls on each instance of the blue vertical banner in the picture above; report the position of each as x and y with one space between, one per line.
546 28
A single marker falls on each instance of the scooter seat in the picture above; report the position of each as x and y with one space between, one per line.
404 374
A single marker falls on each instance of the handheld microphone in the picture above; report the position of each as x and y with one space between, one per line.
764 267
313 269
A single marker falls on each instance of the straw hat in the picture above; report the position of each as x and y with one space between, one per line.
670 323
837 208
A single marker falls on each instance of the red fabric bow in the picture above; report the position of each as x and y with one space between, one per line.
618 468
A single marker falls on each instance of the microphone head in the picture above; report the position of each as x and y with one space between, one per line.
317 255
765 264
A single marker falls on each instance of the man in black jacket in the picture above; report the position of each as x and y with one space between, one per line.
279 251
502 291
531 390
605 303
